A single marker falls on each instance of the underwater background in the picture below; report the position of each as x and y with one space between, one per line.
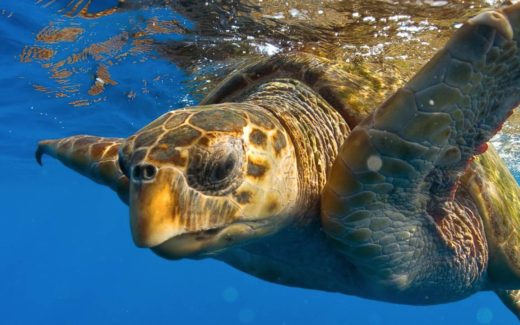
108 68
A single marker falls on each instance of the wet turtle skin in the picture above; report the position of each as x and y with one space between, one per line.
282 175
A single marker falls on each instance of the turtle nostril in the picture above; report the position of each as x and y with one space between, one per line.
143 173
148 172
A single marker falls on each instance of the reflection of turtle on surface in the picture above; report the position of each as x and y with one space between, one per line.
286 174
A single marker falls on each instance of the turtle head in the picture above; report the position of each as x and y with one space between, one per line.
205 179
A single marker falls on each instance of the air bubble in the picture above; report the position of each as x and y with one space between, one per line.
374 163
484 315
230 294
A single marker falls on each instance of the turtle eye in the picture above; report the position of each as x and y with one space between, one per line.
222 169
216 170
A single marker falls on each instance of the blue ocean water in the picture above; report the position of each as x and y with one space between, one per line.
65 247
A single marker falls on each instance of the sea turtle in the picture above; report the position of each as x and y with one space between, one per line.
284 173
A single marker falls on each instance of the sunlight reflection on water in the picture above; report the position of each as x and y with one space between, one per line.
124 54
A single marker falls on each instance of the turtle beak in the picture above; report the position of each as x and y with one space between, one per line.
154 217
175 220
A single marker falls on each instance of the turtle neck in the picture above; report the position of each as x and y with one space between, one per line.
317 131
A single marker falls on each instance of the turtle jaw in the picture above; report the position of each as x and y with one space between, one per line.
166 207
206 243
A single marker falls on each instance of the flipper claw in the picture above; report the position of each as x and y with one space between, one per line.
38 155
43 148
496 20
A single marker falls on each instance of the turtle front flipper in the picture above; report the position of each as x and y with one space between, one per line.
392 200
91 156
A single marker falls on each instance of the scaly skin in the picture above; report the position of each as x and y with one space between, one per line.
240 179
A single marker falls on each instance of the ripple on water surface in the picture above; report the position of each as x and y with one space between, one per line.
111 66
